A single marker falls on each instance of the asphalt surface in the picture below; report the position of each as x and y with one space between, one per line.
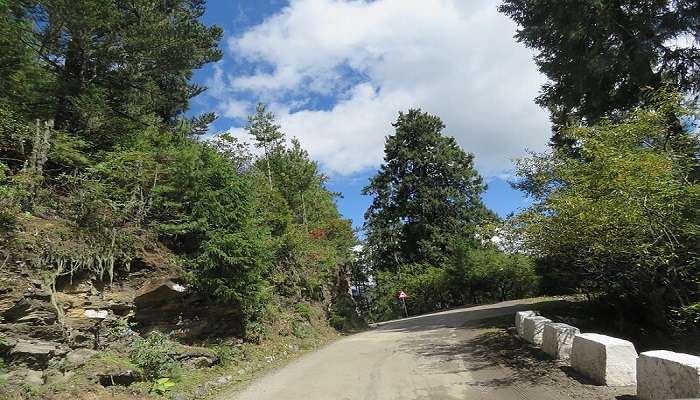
410 359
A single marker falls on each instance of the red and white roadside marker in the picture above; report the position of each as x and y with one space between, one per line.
403 296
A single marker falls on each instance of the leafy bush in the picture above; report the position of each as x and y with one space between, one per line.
303 310
152 356
255 331
162 386
621 215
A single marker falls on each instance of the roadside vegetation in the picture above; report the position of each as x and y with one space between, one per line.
616 199
99 155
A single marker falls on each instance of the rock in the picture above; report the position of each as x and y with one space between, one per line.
121 378
78 358
54 376
179 396
223 380
533 328
26 376
194 357
34 354
665 375
605 360
519 317
557 340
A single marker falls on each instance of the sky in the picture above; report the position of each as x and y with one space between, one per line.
337 72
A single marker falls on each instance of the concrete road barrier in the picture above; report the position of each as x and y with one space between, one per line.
557 340
533 328
519 317
606 360
663 375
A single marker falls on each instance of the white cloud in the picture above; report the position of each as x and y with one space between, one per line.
453 58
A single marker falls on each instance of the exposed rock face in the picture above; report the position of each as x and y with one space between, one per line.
38 325
35 355
166 306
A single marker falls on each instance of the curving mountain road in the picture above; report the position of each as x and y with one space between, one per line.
427 357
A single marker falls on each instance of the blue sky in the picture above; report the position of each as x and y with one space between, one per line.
337 72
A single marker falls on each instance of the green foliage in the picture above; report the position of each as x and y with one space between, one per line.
304 311
426 194
600 56
255 332
228 354
622 219
98 162
152 356
3 372
162 386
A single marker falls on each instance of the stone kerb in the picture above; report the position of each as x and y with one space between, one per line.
605 360
665 375
557 340
533 327
519 317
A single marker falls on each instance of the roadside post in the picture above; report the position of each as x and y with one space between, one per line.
402 297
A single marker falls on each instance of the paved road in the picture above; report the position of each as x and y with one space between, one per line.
426 357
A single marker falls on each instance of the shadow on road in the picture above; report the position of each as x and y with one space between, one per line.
486 349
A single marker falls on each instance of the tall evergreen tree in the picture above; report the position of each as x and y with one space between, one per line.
600 56
120 61
426 194
267 134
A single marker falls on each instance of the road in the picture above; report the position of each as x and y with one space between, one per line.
427 357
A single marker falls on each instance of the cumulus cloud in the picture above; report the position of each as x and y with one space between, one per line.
453 58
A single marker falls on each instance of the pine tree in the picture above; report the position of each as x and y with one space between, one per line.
267 134
426 195
602 56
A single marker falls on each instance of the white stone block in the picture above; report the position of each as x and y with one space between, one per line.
533 327
557 340
605 360
519 317
663 375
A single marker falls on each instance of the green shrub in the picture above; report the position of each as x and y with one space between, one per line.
227 354
152 356
303 310
162 386
255 332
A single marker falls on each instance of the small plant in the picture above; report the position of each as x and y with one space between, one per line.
3 372
162 386
301 329
151 355
227 354
303 310
255 332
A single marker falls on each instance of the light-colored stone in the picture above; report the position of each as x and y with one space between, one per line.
604 359
557 340
78 358
519 317
665 375
533 327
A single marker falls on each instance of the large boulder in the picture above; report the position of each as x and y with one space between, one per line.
604 359
34 354
533 328
520 317
557 340
665 375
